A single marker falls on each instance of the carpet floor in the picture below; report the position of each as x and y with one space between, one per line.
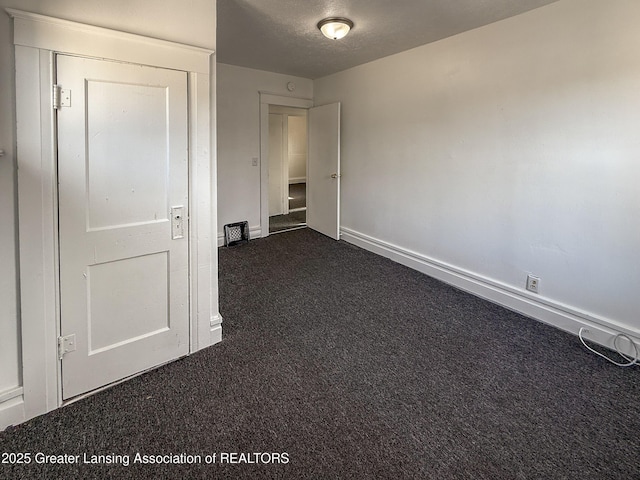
281 223
297 195
352 367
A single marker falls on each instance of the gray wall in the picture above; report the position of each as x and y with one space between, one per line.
507 150
238 101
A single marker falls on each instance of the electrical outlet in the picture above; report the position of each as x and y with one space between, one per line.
533 283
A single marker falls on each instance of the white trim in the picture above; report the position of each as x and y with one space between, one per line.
9 394
37 39
293 180
37 220
48 33
209 158
215 329
267 99
538 307
254 232
194 210
202 184
12 412
285 100
284 166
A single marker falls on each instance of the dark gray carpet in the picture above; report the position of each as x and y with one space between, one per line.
298 194
359 368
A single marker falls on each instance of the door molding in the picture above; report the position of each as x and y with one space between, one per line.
267 99
37 39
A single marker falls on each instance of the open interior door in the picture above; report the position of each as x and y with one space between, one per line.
323 170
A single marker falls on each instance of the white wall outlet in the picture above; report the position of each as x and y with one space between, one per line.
533 283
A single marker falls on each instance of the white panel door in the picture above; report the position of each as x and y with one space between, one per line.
122 169
323 171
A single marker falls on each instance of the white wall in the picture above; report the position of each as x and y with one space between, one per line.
296 140
191 22
277 136
239 137
510 149
297 149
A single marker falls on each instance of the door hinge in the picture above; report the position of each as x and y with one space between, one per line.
66 344
61 97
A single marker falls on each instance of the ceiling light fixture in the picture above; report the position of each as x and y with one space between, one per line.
335 28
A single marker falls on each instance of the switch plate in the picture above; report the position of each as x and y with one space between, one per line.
254 161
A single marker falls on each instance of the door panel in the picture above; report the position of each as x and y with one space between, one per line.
323 172
122 166
112 109
124 305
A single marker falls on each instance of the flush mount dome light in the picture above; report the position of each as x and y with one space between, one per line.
335 27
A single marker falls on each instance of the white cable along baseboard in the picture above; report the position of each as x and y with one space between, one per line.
600 330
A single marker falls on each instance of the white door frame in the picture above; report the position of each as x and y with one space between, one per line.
267 99
284 155
37 39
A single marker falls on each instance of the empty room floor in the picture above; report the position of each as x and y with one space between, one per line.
355 367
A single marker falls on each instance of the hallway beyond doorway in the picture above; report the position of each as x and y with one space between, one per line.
297 216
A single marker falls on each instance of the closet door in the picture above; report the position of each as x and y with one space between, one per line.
123 220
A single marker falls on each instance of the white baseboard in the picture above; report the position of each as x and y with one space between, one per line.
216 329
569 319
12 412
297 180
254 232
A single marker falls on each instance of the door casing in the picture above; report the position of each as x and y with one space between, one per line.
267 99
278 143
36 39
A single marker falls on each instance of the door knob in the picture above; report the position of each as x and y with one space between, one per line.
335 175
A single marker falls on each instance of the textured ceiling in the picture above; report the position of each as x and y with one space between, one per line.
281 35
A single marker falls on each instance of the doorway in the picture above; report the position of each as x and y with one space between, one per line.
323 163
287 168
